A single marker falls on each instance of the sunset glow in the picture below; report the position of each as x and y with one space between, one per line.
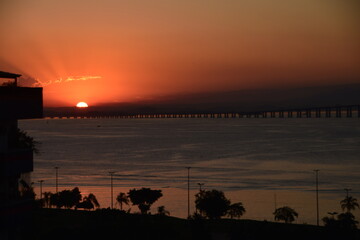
124 51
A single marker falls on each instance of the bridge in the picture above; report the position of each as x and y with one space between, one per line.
348 111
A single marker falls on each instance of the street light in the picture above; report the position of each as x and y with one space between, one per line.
111 188
56 183
188 168
347 191
317 195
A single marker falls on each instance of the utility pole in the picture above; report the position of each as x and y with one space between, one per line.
275 201
111 189
317 195
188 168
56 179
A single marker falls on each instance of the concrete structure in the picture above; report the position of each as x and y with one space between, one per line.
16 158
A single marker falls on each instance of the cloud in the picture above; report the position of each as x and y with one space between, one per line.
35 82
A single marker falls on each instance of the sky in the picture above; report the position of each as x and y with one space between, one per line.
114 51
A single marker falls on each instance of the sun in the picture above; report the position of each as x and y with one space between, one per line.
82 105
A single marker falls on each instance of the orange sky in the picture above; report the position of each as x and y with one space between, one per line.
116 50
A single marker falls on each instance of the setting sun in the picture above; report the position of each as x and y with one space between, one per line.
82 105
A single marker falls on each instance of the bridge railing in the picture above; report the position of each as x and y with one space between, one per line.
348 111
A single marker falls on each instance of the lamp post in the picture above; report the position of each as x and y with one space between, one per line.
188 168
56 179
111 188
317 195
41 181
347 192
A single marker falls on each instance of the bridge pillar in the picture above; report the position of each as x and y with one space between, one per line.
328 112
281 114
272 114
338 112
298 114
290 114
349 112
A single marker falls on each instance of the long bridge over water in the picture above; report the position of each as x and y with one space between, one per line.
348 111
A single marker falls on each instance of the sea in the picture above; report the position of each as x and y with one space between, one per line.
265 163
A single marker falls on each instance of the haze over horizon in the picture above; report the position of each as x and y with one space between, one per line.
130 51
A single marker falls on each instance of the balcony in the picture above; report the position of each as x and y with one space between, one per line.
16 161
20 103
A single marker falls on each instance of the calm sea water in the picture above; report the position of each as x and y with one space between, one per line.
264 163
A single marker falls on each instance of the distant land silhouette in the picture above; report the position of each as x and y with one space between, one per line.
232 101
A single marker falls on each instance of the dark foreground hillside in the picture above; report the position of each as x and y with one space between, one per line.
107 224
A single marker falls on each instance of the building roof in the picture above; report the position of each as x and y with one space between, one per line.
9 75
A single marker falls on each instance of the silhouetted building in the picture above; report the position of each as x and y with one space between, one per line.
16 159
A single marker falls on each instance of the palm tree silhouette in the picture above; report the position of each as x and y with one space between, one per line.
349 203
91 198
236 210
285 214
122 198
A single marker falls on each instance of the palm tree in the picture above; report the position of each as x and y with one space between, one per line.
91 198
122 198
349 203
236 210
286 214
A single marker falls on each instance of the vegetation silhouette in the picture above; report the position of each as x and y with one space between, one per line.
65 198
236 210
144 198
26 190
349 203
162 211
285 214
46 199
89 202
122 198
345 220
23 140
213 205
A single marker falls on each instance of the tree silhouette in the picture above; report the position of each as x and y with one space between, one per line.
46 198
26 190
144 198
91 197
88 202
347 220
343 221
23 140
55 200
122 198
236 210
286 214
66 198
349 203
162 211
213 204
